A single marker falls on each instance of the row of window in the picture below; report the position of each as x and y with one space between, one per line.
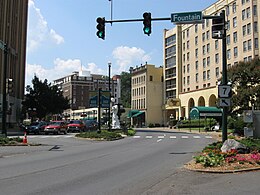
138 80
138 91
138 104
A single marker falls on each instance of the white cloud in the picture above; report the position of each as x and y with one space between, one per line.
38 30
129 56
61 68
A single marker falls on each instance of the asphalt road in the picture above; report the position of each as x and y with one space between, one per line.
149 163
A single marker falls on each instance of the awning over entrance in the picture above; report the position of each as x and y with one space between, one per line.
201 111
134 113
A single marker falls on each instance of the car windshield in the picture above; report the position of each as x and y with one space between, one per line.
35 124
75 122
55 123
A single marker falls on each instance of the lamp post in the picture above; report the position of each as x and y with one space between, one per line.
109 89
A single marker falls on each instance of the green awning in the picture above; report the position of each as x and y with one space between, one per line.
202 111
137 114
132 112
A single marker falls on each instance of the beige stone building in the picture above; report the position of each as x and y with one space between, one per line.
146 95
193 60
13 32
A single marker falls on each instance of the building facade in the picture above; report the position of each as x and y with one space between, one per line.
199 62
146 95
13 32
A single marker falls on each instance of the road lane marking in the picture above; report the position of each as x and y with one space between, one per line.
149 137
137 136
208 137
196 137
160 137
159 140
184 137
173 137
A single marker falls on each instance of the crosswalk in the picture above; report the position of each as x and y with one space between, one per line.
173 137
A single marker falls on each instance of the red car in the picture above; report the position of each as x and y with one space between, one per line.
56 127
76 126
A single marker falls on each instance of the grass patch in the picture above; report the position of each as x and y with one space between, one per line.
10 141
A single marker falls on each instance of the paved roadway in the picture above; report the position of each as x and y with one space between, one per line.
149 163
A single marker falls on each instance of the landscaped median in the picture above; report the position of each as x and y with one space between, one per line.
105 135
212 159
6 141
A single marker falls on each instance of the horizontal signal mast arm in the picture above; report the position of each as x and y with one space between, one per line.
135 20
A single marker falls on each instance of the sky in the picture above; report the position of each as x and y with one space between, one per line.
61 36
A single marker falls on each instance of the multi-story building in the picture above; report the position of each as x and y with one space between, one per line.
13 32
197 66
146 96
79 86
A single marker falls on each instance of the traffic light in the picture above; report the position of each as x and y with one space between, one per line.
218 25
147 23
9 86
101 28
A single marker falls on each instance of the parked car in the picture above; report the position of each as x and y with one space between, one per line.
76 126
91 125
56 127
36 127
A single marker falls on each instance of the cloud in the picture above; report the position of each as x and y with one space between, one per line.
38 30
129 56
60 69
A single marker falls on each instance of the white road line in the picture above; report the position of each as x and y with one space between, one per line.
44 136
159 140
196 137
149 137
136 136
172 137
208 137
184 137
160 137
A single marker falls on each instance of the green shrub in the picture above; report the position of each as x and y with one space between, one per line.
150 125
197 123
103 135
131 132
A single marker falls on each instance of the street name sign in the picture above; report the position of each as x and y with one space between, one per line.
187 17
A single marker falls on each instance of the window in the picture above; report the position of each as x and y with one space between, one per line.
197 77
183 47
235 37
227 10
243 2
196 28
216 58
183 57
204 75
234 7
196 40
184 69
187 33
188 80
208 61
151 78
228 39
244 46
216 44
234 22
183 35
197 65
207 23
217 72
188 68
196 52
235 52
255 10
244 30
228 25
184 80
188 56
256 43
204 62
208 74
203 37
248 12
208 48
243 14
204 49
255 27
228 54
248 28
207 35
249 45
188 44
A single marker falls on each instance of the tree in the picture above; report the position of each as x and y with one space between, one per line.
45 98
245 78
126 89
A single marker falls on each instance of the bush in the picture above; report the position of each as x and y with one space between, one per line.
237 124
197 123
103 135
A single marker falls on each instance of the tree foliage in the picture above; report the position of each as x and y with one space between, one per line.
126 89
46 98
245 78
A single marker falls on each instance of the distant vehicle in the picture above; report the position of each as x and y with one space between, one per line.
36 127
91 125
56 127
76 126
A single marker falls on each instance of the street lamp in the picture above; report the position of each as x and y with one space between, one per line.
109 89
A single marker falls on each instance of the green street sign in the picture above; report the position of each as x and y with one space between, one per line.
187 17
